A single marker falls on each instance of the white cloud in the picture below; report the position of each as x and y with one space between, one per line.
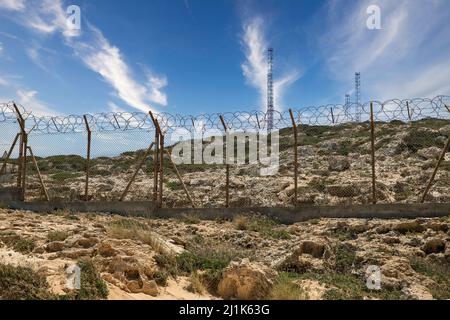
28 99
115 108
15 5
254 67
48 16
401 60
107 60
1 48
156 84
97 53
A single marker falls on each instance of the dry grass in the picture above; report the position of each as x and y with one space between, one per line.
134 230
196 284
286 289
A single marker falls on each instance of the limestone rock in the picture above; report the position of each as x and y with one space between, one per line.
434 246
408 226
338 163
55 246
246 281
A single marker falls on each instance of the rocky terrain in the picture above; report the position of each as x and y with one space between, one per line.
334 168
250 257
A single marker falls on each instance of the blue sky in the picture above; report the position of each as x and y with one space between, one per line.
196 56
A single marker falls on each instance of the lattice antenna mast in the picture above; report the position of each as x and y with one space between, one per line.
347 104
358 96
270 102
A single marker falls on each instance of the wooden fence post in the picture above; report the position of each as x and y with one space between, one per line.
39 174
158 194
372 149
125 192
294 127
88 158
180 179
8 154
227 165
433 176
23 160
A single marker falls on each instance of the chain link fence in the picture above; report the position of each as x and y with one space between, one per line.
395 153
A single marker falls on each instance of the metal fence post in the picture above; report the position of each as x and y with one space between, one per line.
372 149
88 158
294 127
227 165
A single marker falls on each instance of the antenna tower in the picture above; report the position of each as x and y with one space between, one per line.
270 103
358 96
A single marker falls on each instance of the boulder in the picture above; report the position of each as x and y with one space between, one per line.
246 281
309 255
55 246
408 226
338 163
86 242
431 153
434 246
106 250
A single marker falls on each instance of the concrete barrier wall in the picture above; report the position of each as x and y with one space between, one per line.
283 215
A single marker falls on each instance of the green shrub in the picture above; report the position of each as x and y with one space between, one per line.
440 273
174 185
21 283
92 285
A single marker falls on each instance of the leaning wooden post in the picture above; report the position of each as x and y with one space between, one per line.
227 165
23 173
294 127
141 163
158 194
88 158
155 166
372 148
180 179
433 176
39 174
8 154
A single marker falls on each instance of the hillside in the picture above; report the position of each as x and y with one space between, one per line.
334 168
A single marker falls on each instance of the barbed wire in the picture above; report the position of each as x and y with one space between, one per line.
331 114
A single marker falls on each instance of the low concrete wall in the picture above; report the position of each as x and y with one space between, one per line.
283 215
136 208
8 195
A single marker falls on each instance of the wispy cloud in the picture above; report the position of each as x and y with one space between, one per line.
404 59
29 99
97 53
15 5
254 67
